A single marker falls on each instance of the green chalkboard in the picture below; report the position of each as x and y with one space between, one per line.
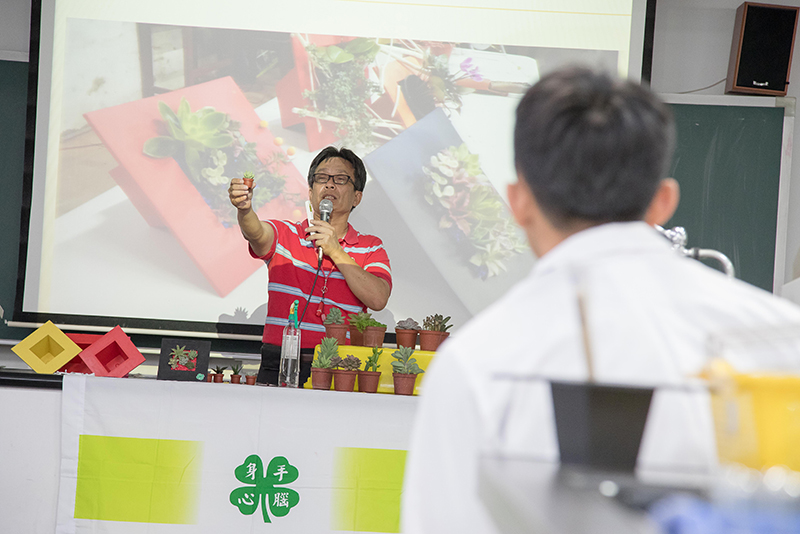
727 162
13 103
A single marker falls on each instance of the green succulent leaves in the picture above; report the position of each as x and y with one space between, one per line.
404 363
192 131
334 317
328 350
437 323
372 362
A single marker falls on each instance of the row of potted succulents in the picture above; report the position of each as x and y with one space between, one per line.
329 367
432 333
368 332
365 331
236 377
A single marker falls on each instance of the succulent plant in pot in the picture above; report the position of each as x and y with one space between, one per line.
322 365
370 377
434 331
236 377
358 322
250 378
248 178
374 333
219 370
404 371
345 372
406 333
334 325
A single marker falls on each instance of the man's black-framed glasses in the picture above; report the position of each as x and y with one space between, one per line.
338 179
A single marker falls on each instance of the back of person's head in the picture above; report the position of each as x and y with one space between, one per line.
359 171
592 148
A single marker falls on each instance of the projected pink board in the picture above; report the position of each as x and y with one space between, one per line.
165 196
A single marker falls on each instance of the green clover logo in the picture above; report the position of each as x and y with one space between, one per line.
265 488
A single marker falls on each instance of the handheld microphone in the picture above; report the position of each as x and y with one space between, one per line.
325 210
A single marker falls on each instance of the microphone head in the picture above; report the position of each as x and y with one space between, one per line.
325 209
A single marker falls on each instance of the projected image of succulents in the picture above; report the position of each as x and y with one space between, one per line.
211 150
470 211
341 89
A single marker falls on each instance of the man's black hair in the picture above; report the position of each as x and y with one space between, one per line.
359 172
592 148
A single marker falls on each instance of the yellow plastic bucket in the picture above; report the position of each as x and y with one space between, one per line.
757 420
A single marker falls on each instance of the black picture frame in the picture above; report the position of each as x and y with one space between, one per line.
166 370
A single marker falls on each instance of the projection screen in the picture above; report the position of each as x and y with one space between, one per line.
128 228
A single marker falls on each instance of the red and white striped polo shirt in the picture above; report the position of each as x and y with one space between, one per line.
292 263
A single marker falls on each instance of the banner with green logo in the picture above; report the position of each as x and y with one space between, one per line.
156 456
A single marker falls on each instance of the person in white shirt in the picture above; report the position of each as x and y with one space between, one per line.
591 154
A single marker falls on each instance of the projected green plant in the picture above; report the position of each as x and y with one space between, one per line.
471 211
211 150
342 88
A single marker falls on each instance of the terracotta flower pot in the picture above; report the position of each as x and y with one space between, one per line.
321 378
209 377
431 339
373 336
250 380
368 381
218 377
236 379
403 383
356 337
248 182
344 380
339 331
406 338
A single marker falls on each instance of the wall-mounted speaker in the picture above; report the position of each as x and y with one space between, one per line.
761 51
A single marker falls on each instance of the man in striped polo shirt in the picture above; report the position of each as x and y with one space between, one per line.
354 274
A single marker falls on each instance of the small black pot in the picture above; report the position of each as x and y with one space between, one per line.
600 426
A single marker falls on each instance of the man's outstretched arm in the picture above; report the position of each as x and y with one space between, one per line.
259 234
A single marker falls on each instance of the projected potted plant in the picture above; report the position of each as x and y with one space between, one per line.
335 327
406 333
370 377
322 365
345 372
434 331
443 87
404 371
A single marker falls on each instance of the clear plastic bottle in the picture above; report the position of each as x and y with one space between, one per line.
289 374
